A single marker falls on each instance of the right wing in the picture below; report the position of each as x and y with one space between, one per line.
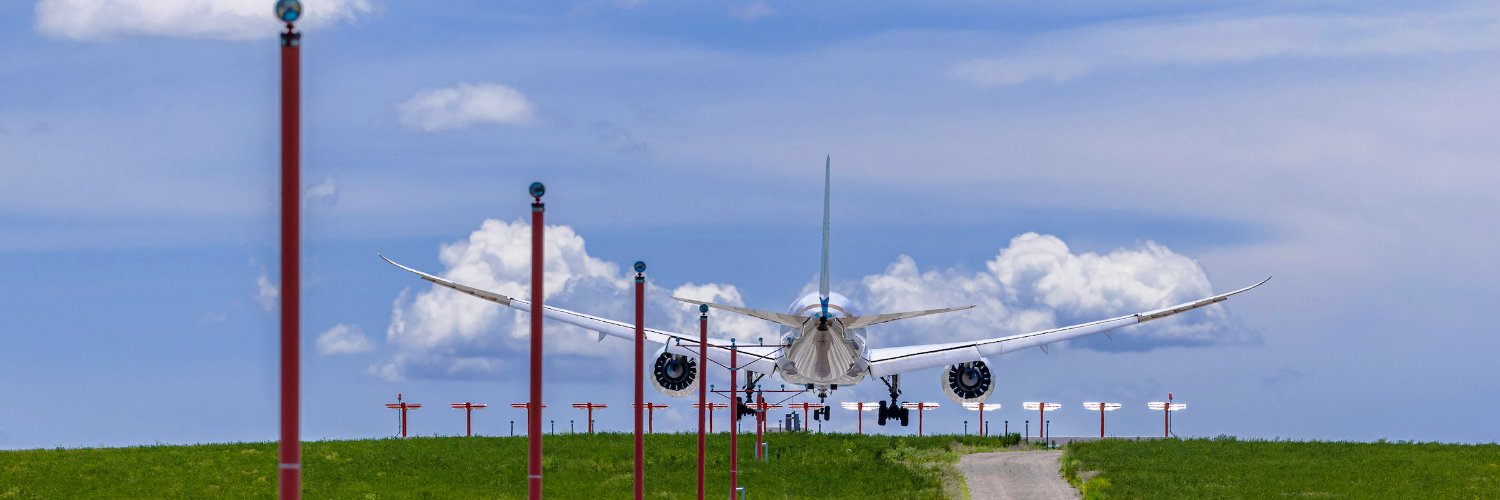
755 358
893 360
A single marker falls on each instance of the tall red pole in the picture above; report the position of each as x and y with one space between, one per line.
1041 423
1101 419
291 266
734 419
534 408
921 410
468 420
981 418
640 378
702 391
760 425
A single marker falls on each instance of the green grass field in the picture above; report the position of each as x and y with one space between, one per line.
576 466
1229 468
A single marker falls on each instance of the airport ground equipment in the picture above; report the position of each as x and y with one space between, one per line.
981 408
590 407
1101 408
468 409
403 407
1041 422
921 408
1166 407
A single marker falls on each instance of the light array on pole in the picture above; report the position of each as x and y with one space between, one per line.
1166 407
590 407
1101 408
1043 408
861 407
651 415
711 407
981 408
921 408
468 409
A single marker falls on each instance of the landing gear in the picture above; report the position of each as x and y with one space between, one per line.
821 413
893 410
742 405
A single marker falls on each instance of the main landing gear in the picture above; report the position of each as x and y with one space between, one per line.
742 403
893 410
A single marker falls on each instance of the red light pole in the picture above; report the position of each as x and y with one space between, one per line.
525 406
468 409
651 416
805 407
1041 422
860 407
403 406
1166 408
289 468
1101 408
640 378
760 408
534 406
921 408
734 419
590 407
703 393
981 408
710 408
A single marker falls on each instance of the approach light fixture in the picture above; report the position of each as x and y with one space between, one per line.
537 190
640 266
288 11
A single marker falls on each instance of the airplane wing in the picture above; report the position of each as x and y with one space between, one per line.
756 358
783 319
893 360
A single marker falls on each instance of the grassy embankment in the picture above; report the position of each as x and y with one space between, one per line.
577 466
1229 468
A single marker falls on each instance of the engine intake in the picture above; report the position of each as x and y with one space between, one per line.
966 382
674 374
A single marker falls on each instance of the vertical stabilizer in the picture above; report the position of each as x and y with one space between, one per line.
823 280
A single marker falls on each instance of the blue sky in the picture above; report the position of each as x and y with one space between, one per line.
1158 149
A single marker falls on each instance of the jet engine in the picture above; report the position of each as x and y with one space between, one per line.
970 381
674 374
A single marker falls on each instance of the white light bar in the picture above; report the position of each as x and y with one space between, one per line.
1158 405
1092 405
974 406
1034 405
918 406
855 406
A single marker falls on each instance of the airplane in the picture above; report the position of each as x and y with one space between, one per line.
824 344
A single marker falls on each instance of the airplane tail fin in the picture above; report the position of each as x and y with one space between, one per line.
823 290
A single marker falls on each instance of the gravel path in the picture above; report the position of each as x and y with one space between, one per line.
1015 475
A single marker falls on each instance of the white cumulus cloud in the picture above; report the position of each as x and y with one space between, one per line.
343 339
442 333
215 19
465 105
1037 282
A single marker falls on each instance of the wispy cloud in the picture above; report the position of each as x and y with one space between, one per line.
1199 41
343 339
266 292
216 19
465 105
751 11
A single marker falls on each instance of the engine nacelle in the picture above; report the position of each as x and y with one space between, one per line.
965 382
674 374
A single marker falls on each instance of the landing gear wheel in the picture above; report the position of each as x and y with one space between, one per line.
880 415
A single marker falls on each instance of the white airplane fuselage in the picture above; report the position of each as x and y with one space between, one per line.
823 353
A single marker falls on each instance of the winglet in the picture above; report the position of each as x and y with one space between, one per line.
823 290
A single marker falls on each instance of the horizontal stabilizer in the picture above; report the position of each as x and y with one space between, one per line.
864 321
784 319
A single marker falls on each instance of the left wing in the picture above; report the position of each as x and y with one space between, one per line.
893 360
756 358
